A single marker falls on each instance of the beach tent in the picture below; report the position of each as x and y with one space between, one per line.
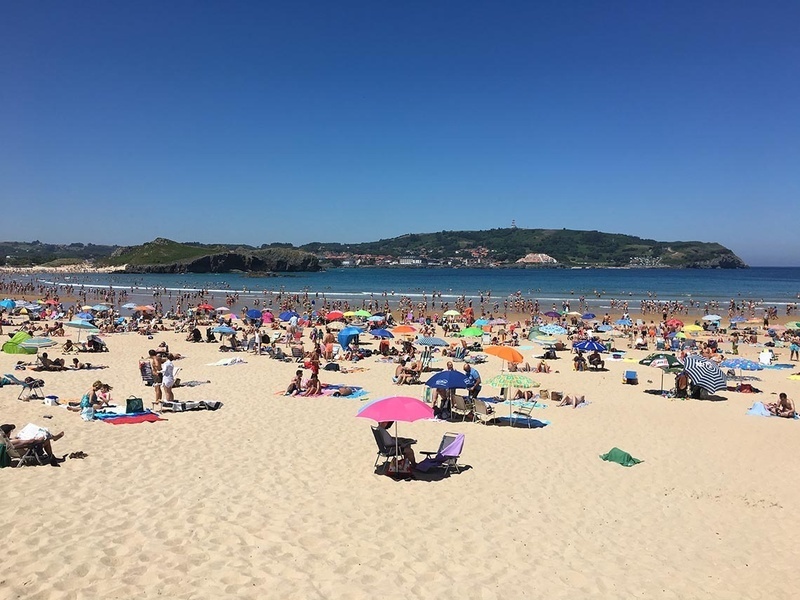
347 335
12 346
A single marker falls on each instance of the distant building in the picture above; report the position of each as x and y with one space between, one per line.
537 259
412 260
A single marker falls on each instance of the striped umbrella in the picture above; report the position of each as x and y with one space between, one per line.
37 342
589 346
552 329
431 341
704 373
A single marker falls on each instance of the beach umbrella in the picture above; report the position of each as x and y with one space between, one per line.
738 319
692 328
664 361
334 314
507 353
51 301
267 316
287 315
604 328
347 335
145 308
396 408
704 373
431 341
480 322
349 313
84 316
452 313
675 323
204 306
376 318
497 322
100 307
743 364
254 314
506 381
626 322
448 380
793 325
472 332
381 333
335 325
404 329
552 314
38 342
712 318
8 304
223 330
589 346
233 317
129 306
588 316
552 329
363 313
81 325
222 309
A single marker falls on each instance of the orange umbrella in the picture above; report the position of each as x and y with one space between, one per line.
507 353
145 308
403 329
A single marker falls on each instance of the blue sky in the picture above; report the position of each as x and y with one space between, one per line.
256 122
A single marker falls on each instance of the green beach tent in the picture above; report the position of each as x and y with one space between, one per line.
12 346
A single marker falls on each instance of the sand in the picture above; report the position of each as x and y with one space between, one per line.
275 497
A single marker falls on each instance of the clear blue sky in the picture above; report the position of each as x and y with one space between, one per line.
256 122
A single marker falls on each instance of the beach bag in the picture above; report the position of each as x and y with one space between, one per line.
134 405
331 367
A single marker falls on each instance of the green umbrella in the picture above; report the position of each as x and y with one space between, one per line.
363 313
509 380
472 332
793 325
664 361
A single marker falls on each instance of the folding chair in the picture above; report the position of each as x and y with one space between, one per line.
446 456
30 454
34 387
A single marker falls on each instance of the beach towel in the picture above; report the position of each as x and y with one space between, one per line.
224 362
620 457
758 410
129 419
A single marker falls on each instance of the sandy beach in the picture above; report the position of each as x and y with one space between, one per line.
276 497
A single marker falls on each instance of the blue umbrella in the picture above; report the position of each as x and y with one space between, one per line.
100 307
376 318
588 316
129 305
78 324
85 316
381 333
347 335
738 319
287 315
605 328
481 322
254 314
432 341
8 303
589 346
624 322
742 364
37 342
223 330
448 380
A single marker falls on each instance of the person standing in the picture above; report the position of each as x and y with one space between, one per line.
168 378
155 367
473 381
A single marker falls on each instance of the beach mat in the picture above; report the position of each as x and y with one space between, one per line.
131 419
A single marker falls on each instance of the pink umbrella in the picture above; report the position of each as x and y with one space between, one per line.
267 316
396 408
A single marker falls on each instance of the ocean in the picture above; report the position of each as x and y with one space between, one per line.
770 286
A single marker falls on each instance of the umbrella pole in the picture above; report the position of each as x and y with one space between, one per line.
396 449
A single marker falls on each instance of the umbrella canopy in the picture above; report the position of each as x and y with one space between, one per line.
100 307
552 329
692 328
661 360
38 342
8 304
79 324
253 314
742 364
675 323
335 325
432 341
472 332
552 314
507 353
704 373
287 315
382 333
738 319
376 318
334 314
452 313
145 308
129 305
509 380
793 325
84 316
604 328
588 316
480 322
589 346
222 309
712 318
498 322
404 329
448 380
627 322
205 306
363 313
223 330
396 408
347 335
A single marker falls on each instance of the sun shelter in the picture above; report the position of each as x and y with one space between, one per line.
14 345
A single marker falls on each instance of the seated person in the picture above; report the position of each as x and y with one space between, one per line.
579 362
403 444
596 361
512 367
526 395
45 441
69 346
570 401
550 354
400 376
542 367
640 344
784 407
49 364
104 395
296 385
314 386
681 385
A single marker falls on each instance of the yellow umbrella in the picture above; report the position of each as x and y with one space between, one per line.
350 313
691 328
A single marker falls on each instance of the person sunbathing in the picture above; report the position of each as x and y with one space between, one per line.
596 361
401 374
45 441
49 364
526 395
784 407
512 367
570 401
542 367
314 386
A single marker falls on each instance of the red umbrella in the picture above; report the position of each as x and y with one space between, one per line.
674 323
334 314
205 307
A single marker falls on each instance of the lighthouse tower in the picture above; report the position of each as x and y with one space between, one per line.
513 223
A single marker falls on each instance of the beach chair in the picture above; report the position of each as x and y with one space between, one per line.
459 406
146 372
386 451
460 354
426 358
33 453
33 387
523 412
630 377
446 456
482 412
297 353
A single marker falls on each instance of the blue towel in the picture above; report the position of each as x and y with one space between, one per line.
759 410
